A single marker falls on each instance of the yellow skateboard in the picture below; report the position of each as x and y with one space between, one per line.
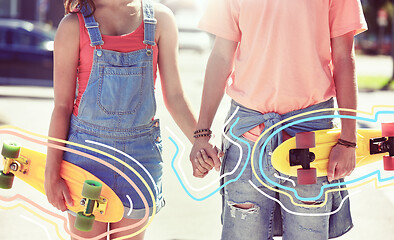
93 199
311 150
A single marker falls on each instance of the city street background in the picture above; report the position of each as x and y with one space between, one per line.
184 218
30 107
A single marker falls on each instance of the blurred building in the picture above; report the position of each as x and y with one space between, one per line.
45 11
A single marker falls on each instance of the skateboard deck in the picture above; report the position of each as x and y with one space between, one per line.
30 168
371 147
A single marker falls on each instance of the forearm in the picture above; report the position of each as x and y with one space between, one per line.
181 112
217 73
346 87
58 129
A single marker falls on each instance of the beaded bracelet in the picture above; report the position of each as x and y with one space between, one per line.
202 135
203 130
347 143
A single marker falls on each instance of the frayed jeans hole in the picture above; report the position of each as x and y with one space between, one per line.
243 208
312 202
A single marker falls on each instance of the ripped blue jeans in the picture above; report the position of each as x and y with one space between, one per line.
264 218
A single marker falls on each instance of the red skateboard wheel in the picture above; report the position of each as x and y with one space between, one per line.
387 129
305 140
306 176
388 163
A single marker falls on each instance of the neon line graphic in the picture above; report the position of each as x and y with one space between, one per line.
220 177
131 205
102 162
129 157
286 179
326 193
38 224
297 204
18 196
305 214
325 186
277 190
303 114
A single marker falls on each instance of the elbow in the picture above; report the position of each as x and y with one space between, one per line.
344 64
63 108
344 59
171 101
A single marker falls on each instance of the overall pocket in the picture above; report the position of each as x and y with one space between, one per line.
121 89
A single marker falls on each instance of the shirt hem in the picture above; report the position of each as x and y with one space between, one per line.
357 28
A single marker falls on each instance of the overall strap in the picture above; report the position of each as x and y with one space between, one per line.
149 23
92 26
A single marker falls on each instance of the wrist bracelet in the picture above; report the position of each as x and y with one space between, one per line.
203 130
347 143
202 135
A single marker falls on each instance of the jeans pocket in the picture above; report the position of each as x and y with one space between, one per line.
121 89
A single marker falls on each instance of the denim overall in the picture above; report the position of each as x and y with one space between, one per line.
266 212
117 109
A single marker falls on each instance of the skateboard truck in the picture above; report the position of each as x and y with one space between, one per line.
91 193
301 157
101 205
20 164
381 145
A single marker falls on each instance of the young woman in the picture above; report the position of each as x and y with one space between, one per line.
285 58
108 51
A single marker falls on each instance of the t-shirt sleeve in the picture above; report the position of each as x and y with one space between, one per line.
346 16
221 18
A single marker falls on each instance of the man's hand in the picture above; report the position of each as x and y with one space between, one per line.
341 163
204 156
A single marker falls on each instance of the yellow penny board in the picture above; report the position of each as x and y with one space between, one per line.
324 142
32 171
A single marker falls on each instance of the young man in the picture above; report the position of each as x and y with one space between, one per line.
284 57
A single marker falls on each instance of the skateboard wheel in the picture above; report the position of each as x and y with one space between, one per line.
84 223
6 180
387 129
306 176
10 149
305 140
388 163
91 190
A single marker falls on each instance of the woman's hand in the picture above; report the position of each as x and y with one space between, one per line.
204 157
57 192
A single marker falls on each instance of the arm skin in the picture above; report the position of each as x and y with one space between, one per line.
174 99
219 68
342 159
66 54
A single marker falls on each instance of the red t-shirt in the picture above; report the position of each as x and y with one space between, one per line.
125 43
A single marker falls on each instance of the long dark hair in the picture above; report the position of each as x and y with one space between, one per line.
70 5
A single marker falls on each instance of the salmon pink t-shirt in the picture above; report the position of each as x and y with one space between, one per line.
125 43
283 61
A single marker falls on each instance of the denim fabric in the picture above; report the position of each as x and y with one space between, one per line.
120 91
117 109
266 219
93 27
143 143
149 25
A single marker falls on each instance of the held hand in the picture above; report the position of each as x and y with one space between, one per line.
341 163
57 193
204 156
